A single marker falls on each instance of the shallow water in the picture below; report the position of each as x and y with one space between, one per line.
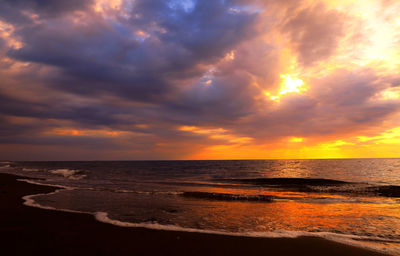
355 201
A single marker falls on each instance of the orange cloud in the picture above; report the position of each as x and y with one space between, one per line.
86 132
216 134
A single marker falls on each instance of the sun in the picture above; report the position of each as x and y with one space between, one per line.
289 84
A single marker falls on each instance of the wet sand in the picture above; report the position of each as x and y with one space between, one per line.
32 231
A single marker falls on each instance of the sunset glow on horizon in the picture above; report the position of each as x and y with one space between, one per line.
191 79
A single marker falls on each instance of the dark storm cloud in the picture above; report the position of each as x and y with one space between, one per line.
18 11
227 98
103 56
109 56
86 115
13 106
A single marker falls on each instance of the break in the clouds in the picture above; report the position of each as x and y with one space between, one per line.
187 79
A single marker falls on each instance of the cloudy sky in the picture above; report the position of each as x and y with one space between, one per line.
199 79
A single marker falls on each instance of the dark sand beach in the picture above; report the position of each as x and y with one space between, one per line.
32 231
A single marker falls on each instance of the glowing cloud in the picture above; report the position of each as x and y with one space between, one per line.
390 94
289 85
77 132
216 134
102 5
6 33
296 139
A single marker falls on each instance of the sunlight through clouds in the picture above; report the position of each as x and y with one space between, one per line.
289 85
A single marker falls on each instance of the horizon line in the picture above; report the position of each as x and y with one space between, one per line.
176 160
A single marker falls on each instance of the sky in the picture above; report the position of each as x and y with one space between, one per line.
199 79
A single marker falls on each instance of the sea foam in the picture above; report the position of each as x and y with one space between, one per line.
353 240
69 174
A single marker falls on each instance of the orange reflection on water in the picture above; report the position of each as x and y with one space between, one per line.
299 212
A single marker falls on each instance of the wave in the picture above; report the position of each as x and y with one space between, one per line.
228 197
323 186
360 190
30 181
37 181
69 174
29 199
389 191
353 240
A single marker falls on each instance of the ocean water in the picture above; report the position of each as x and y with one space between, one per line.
353 201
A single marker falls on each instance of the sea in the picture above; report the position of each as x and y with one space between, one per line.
351 201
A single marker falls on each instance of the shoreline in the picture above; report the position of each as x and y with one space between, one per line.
34 231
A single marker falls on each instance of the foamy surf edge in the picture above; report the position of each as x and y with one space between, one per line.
62 187
103 217
29 201
340 238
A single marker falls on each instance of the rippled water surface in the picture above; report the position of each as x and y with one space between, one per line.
355 201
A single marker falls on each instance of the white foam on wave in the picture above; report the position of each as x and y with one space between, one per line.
44 184
352 240
103 217
5 166
29 199
341 238
69 174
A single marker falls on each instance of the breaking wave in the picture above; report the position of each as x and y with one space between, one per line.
323 186
69 174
